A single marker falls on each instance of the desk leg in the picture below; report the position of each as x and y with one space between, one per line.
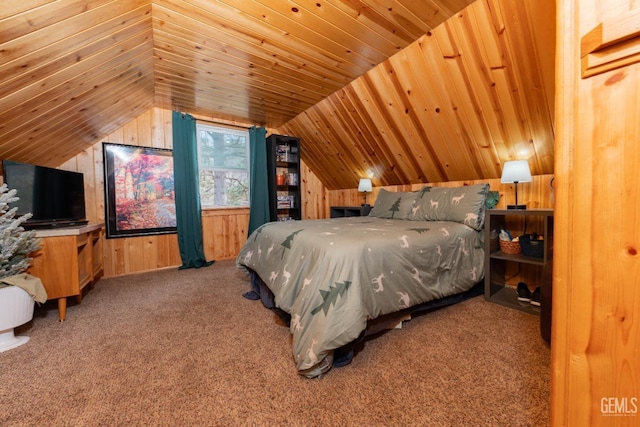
62 308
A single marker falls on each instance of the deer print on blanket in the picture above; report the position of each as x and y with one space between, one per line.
474 273
415 275
378 281
463 246
286 275
272 277
306 282
404 300
311 355
295 323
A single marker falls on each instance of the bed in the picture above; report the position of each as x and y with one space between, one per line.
332 277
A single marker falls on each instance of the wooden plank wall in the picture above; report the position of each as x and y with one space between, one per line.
596 296
224 230
128 254
536 194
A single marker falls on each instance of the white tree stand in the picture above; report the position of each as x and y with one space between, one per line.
16 308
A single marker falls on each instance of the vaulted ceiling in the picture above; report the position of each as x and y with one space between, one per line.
404 91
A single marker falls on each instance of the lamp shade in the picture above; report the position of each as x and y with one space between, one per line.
515 171
364 186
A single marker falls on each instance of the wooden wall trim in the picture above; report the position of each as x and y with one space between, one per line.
537 194
596 303
613 43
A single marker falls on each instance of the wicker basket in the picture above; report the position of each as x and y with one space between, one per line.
511 248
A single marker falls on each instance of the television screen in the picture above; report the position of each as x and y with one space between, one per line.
54 197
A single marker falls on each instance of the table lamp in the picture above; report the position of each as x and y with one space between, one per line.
514 172
364 186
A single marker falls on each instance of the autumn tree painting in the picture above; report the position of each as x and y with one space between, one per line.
143 188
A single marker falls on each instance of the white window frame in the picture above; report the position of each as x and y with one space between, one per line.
205 204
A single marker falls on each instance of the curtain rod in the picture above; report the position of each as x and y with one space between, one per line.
223 123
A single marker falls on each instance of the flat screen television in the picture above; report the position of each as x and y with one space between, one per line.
54 197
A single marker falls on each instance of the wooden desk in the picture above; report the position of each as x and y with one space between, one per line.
69 259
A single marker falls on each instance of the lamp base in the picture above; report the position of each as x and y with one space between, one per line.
517 207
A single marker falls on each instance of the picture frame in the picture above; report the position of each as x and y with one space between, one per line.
139 190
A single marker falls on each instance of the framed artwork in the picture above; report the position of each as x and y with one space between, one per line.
139 190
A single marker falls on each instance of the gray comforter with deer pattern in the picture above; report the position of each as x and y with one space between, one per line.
333 275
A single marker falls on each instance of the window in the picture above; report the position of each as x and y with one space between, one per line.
223 164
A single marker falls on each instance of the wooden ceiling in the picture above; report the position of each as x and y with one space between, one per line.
456 104
371 86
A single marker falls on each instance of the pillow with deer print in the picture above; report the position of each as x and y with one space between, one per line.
459 204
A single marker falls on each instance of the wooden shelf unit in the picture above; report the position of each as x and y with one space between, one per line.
285 193
346 211
496 262
70 258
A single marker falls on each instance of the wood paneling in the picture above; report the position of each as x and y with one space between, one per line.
72 70
403 91
469 94
314 199
224 230
596 294
454 105
536 194
128 254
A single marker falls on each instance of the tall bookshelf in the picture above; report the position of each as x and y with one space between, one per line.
283 164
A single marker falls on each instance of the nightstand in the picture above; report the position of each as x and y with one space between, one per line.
344 211
497 262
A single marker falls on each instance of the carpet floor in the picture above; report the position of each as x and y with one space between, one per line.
184 348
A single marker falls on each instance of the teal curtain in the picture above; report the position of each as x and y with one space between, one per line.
185 176
259 191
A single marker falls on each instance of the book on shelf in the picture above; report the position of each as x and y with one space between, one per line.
285 201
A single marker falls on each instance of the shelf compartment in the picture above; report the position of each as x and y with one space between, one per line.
518 258
508 297
499 266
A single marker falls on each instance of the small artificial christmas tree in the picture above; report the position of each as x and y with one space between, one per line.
15 243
